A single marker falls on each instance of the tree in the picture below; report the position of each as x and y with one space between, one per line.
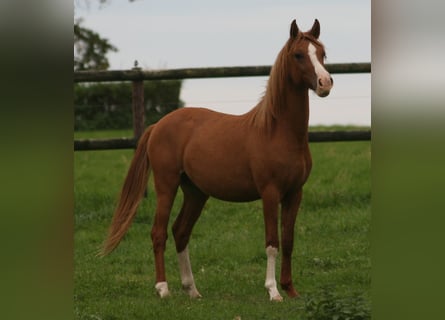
90 49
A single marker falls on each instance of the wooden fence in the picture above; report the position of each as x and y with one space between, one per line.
137 76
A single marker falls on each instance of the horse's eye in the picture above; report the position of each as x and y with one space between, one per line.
299 56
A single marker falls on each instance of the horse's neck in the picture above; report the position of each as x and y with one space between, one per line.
294 114
286 112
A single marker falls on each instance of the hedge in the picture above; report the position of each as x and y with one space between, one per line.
109 106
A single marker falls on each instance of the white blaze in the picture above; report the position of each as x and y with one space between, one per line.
320 71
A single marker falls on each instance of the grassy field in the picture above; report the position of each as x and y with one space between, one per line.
331 262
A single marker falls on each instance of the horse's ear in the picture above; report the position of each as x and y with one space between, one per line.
293 29
315 30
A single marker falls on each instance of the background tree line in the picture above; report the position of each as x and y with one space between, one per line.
109 106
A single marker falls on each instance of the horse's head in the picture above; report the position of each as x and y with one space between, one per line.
305 60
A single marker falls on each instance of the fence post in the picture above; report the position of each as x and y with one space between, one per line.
138 109
138 105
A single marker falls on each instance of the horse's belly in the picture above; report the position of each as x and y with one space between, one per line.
224 185
234 194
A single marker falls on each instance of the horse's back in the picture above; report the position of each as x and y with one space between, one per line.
180 127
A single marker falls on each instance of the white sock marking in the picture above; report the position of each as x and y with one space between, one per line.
271 283
162 289
185 269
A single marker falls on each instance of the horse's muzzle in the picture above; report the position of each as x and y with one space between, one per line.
324 86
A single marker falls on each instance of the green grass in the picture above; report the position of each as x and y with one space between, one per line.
331 262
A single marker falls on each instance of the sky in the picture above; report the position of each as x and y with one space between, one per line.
198 33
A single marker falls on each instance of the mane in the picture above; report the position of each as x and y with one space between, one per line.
263 115
267 110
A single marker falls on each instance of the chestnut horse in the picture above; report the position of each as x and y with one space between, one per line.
263 154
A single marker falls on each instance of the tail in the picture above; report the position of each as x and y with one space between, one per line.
131 195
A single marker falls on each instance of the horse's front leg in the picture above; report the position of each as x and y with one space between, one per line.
289 212
270 210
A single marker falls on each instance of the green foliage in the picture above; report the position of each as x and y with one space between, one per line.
109 105
90 49
327 305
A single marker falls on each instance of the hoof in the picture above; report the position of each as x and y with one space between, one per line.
162 289
277 298
290 291
195 295
192 292
273 293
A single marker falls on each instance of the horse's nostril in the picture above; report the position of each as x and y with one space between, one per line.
320 83
332 80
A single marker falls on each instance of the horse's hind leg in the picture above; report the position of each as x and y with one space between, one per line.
194 201
289 212
166 186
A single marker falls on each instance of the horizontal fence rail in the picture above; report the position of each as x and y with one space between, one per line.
105 144
131 143
137 76
195 73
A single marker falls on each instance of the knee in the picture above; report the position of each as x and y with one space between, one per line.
180 242
181 237
178 232
175 228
